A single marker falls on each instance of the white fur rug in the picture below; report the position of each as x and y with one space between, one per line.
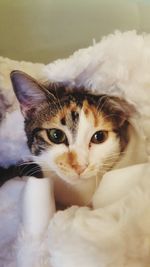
116 233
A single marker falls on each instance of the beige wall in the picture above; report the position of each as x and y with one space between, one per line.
44 30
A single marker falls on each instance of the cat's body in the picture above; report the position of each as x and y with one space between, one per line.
75 136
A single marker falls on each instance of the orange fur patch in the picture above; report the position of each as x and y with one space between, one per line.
90 110
62 113
97 118
69 159
72 160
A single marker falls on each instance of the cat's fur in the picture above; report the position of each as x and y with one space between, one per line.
77 164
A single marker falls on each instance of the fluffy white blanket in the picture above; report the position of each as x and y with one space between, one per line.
116 232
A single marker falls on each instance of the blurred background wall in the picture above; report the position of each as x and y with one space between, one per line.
44 30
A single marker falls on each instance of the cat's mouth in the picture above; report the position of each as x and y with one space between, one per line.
73 177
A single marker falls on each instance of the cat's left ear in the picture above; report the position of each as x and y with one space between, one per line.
28 91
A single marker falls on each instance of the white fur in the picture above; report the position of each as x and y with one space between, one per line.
116 234
91 157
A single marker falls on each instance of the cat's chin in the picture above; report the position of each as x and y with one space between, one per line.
74 191
75 179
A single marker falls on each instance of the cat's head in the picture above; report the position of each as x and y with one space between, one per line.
73 133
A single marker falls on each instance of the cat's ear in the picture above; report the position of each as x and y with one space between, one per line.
27 90
120 110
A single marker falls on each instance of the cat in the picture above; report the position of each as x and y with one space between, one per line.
74 136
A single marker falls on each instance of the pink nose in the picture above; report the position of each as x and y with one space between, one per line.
80 169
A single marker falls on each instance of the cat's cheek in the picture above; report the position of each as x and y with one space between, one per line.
99 153
47 159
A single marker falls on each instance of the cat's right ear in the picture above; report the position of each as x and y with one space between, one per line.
28 91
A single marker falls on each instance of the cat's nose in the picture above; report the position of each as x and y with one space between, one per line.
73 160
80 169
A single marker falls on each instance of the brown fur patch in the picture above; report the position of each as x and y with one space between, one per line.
72 160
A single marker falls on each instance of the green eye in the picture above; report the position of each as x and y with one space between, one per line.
99 137
56 136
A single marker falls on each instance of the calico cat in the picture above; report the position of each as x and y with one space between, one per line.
74 136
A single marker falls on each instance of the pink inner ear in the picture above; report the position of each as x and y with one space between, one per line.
31 99
28 91
25 109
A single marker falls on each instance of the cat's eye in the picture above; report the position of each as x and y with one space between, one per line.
57 136
99 137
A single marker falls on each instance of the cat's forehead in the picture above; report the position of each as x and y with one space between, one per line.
67 107
74 114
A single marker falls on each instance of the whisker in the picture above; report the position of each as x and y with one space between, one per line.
34 168
96 181
99 102
30 171
115 155
27 163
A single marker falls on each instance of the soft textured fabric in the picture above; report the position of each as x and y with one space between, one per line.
115 233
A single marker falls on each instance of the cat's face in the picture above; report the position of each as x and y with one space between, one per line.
77 143
72 133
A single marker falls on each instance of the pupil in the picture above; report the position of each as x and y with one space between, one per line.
58 134
99 136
